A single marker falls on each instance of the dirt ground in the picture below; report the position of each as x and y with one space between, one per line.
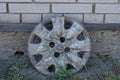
103 64
16 66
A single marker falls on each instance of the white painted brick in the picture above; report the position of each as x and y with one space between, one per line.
15 0
3 8
46 16
9 18
55 0
31 18
29 8
77 17
72 8
112 18
107 8
98 1
93 18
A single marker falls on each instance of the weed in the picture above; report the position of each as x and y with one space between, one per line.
63 74
15 67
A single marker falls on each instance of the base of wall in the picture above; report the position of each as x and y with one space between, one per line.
29 27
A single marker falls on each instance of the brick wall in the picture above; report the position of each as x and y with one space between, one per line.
86 11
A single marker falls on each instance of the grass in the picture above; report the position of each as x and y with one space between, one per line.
15 67
13 73
63 74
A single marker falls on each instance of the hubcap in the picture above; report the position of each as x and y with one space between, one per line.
59 42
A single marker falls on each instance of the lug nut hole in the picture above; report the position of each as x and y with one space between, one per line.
62 39
67 49
56 54
52 44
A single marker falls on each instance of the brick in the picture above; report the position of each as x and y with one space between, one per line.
15 0
71 8
55 0
46 16
9 18
112 18
107 8
77 17
98 1
29 8
118 1
31 18
93 18
3 8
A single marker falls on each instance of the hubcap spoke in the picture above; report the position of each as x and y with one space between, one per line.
73 57
42 32
58 25
81 45
36 49
63 60
75 30
76 61
45 63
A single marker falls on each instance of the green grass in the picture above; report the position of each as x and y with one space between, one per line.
15 67
63 74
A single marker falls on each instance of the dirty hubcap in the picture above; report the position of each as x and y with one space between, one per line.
59 42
